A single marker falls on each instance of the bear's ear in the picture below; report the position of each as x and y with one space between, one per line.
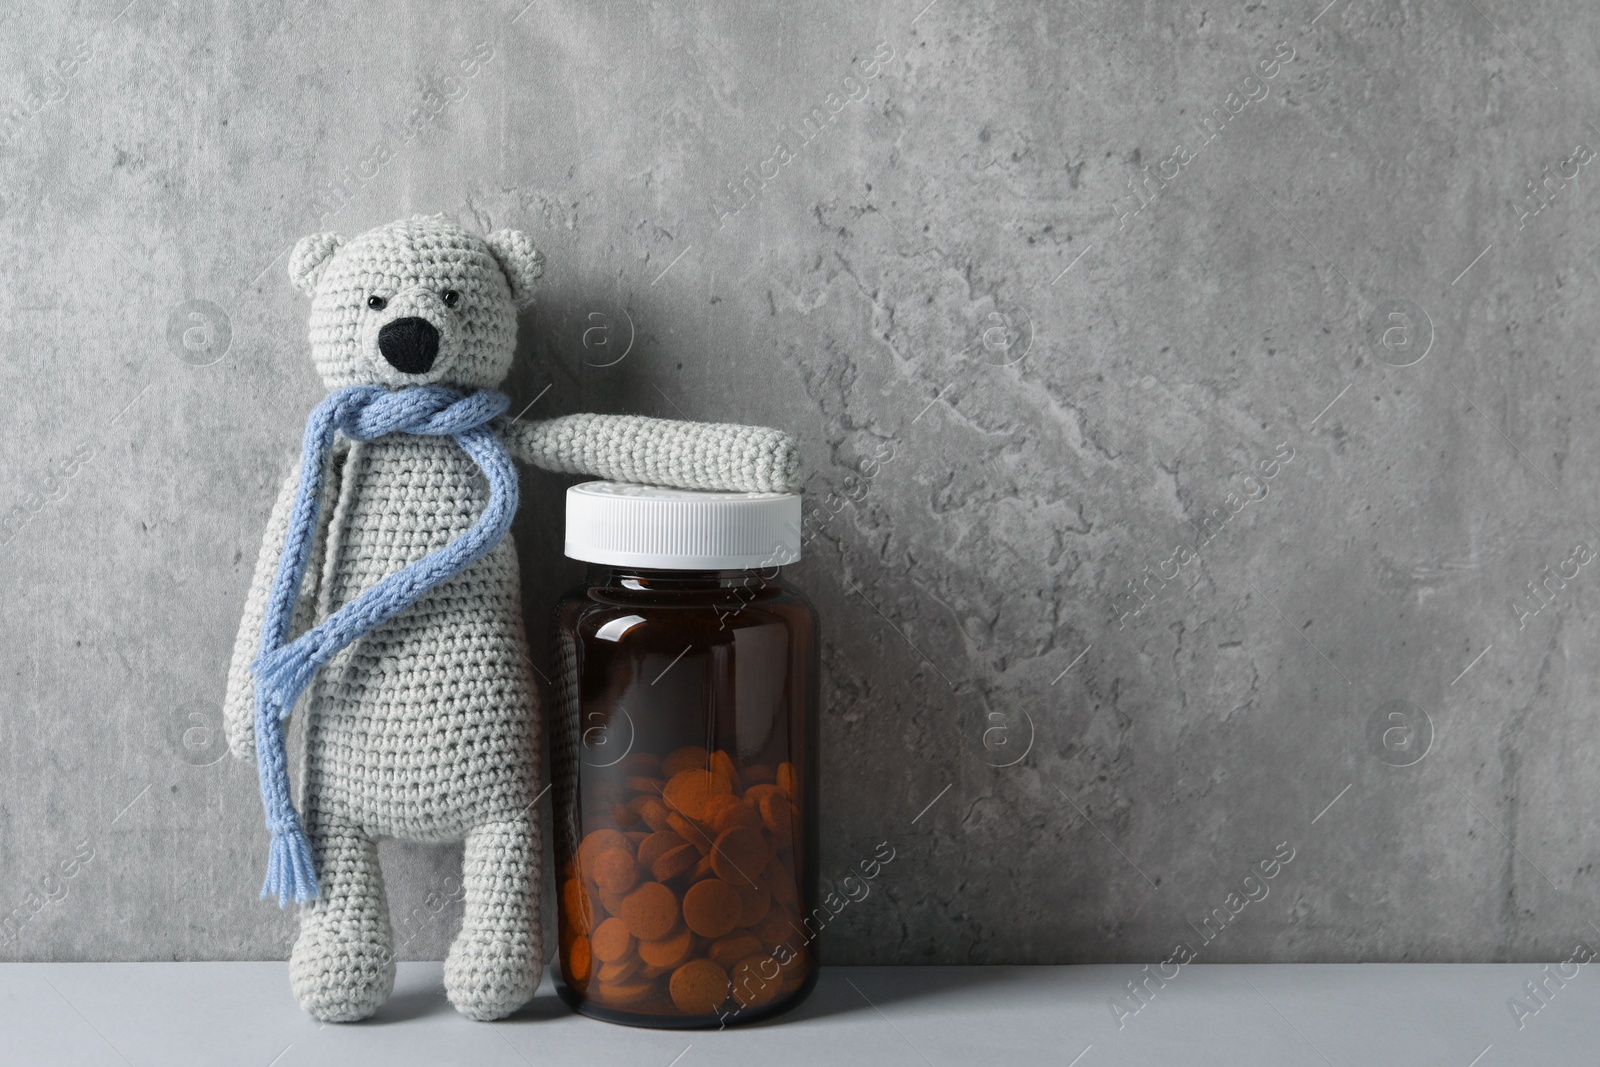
310 257
522 262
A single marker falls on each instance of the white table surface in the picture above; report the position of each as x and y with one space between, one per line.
172 1014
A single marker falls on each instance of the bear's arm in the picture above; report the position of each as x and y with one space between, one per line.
683 455
239 705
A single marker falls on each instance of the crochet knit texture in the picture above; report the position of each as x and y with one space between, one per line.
425 727
283 669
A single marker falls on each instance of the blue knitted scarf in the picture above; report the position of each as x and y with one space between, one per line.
285 668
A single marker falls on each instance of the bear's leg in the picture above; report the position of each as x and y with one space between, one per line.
494 965
342 967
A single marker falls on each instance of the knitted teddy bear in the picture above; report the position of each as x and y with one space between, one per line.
386 593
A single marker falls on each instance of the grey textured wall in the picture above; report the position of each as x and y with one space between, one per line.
1276 314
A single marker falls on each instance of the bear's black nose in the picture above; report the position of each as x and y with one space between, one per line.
410 345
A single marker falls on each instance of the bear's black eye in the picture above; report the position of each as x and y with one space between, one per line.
377 303
450 297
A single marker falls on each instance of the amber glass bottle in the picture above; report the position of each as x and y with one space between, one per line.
685 759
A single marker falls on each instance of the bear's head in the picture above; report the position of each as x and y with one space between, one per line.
417 302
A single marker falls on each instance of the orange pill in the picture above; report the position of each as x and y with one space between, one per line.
652 811
610 903
722 763
650 912
755 902
757 774
756 980
674 862
702 869
754 794
643 784
780 883
692 832
669 951
625 817
619 971
635 837
683 759
711 907
730 950
611 941
793 962
788 780
777 928
595 843
739 855
615 870
688 791
777 815
657 845
579 959
742 813
698 987
622 993
719 807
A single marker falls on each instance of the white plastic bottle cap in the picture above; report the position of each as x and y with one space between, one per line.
681 529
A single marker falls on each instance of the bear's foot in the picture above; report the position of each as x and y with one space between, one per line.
342 966
494 965
488 979
338 980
